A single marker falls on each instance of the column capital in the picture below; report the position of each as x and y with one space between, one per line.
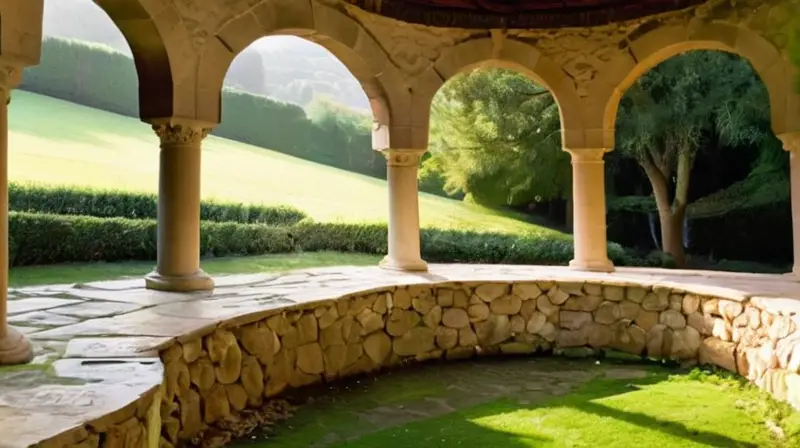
791 141
180 131
10 77
402 157
587 155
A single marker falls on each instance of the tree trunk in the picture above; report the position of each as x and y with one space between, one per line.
672 235
670 216
568 220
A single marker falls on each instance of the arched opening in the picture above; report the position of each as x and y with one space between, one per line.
698 171
287 95
496 141
293 96
77 110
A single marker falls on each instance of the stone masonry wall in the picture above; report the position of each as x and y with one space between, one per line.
134 426
221 374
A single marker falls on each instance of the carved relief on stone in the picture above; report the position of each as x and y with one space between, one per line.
791 142
10 77
179 134
402 157
411 48
202 18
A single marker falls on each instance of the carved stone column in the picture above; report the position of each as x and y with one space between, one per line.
178 267
589 211
791 143
14 346
404 246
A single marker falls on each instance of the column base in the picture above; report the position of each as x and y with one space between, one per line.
199 281
408 266
15 348
592 265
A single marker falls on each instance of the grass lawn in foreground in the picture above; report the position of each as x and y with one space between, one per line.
90 272
528 406
55 142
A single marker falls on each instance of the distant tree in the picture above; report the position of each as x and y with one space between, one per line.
495 137
247 73
681 107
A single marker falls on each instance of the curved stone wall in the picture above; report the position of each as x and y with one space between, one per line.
212 377
243 345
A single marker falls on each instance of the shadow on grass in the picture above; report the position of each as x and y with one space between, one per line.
584 399
505 423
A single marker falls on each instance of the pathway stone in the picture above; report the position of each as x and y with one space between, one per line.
96 308
20 306
42 318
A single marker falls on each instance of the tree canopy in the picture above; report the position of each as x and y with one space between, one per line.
495 137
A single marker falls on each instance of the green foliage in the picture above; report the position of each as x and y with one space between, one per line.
105 79
48 238
45 239
495 137
90 74
681 107
123 204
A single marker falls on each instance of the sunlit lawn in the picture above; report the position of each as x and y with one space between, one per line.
89 272
60 143
660 410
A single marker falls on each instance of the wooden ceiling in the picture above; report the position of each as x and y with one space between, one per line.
519 13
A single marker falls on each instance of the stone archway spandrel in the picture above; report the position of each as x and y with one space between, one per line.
21 31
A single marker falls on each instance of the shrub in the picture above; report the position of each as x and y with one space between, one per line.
449 246
119 204
45 239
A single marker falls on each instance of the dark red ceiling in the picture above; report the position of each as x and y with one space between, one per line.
519 13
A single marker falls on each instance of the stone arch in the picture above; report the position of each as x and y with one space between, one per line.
499 52
21 32
144 25
345 38
652 48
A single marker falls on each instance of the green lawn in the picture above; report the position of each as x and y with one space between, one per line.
59 143
659 409
89 272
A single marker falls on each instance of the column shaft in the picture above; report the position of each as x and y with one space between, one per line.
791 142
589 211
178 266
404 236
14 346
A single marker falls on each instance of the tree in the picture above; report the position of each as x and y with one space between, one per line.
495 137
686 105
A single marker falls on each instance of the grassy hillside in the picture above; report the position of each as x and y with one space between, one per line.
59 143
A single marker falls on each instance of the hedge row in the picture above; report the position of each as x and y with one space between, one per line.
45 239
123 204
99 77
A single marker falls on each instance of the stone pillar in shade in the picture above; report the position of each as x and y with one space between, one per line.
14 346
791 142
178 266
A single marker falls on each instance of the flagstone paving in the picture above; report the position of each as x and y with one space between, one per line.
108 334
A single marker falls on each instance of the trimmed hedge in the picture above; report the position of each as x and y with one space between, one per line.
122 204
46 239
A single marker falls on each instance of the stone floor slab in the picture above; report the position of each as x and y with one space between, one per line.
97 308
43 319
27 305
130 347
